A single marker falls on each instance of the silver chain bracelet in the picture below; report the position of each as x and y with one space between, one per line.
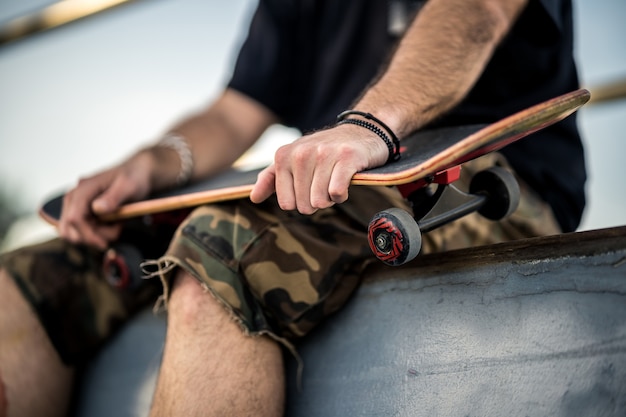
179 144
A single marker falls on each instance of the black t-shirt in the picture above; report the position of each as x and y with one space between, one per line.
308 60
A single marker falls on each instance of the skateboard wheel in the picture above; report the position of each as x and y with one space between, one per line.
394 236
501 189
121 266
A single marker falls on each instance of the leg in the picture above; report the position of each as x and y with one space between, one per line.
77 311
279 273
33 380
210 367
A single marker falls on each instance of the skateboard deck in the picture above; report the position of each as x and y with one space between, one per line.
424 154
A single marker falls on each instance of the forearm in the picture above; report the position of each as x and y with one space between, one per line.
216 137
212 140
438 61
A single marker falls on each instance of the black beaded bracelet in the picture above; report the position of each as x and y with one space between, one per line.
375 129
393 144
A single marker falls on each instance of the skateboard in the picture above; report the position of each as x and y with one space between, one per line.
430 163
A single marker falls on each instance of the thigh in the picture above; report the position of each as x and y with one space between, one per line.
65 286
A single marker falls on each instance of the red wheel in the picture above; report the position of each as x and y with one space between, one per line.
394 236
121 266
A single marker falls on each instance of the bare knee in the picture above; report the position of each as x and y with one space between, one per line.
210 364
190 301
186 287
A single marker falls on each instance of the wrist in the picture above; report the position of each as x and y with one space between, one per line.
366 139
164 164
375 125
180 146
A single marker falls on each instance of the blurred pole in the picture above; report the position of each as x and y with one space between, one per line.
609 91
53 16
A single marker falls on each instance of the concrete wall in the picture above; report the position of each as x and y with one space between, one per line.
529 328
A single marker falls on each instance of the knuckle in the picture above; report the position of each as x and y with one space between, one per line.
282 155
301 155
286 205
338 195
344 150
320 203
308 210
325 151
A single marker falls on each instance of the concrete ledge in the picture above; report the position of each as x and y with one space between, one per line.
529 328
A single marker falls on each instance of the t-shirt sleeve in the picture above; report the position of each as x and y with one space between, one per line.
264 66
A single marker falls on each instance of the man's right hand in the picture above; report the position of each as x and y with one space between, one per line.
100 194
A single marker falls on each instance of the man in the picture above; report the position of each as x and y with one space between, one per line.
243 279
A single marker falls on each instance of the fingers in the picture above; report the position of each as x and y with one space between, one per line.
91 233
315 171
339 183
308 175
112 197
78 223
322 185
295 188
264 186
95 196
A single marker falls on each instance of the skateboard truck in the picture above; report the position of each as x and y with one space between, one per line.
395 235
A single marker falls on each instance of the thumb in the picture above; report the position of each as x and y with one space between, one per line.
265 185
112 198
104 204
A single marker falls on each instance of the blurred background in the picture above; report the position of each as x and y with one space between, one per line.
78 98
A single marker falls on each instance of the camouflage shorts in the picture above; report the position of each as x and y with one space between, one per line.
279 273
78 309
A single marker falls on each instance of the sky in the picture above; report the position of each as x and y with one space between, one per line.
79 98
